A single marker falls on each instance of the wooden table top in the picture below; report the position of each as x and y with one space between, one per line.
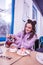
16 59
28 60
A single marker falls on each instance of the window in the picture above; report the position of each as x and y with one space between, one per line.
6 18
34 13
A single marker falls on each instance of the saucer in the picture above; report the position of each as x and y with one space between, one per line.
13 50
19 52
39 57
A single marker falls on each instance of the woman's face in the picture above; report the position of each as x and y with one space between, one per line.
28 27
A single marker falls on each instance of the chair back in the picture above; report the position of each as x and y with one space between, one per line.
41 40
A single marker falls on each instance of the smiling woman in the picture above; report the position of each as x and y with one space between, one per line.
6 18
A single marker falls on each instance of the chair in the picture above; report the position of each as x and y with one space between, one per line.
40 49
41 41
36 45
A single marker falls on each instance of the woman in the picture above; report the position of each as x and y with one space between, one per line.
26 38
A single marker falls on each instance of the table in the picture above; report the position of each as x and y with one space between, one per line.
17 59
28 60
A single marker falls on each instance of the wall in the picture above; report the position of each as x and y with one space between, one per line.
18 15
18 23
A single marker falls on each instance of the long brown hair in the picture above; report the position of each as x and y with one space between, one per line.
33 28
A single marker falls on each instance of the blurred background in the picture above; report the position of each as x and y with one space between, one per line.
14 13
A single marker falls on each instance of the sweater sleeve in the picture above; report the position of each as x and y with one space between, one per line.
19 37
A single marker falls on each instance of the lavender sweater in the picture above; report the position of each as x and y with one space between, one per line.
23 42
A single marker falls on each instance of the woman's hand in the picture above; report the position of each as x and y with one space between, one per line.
13 36
10 36
7 35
